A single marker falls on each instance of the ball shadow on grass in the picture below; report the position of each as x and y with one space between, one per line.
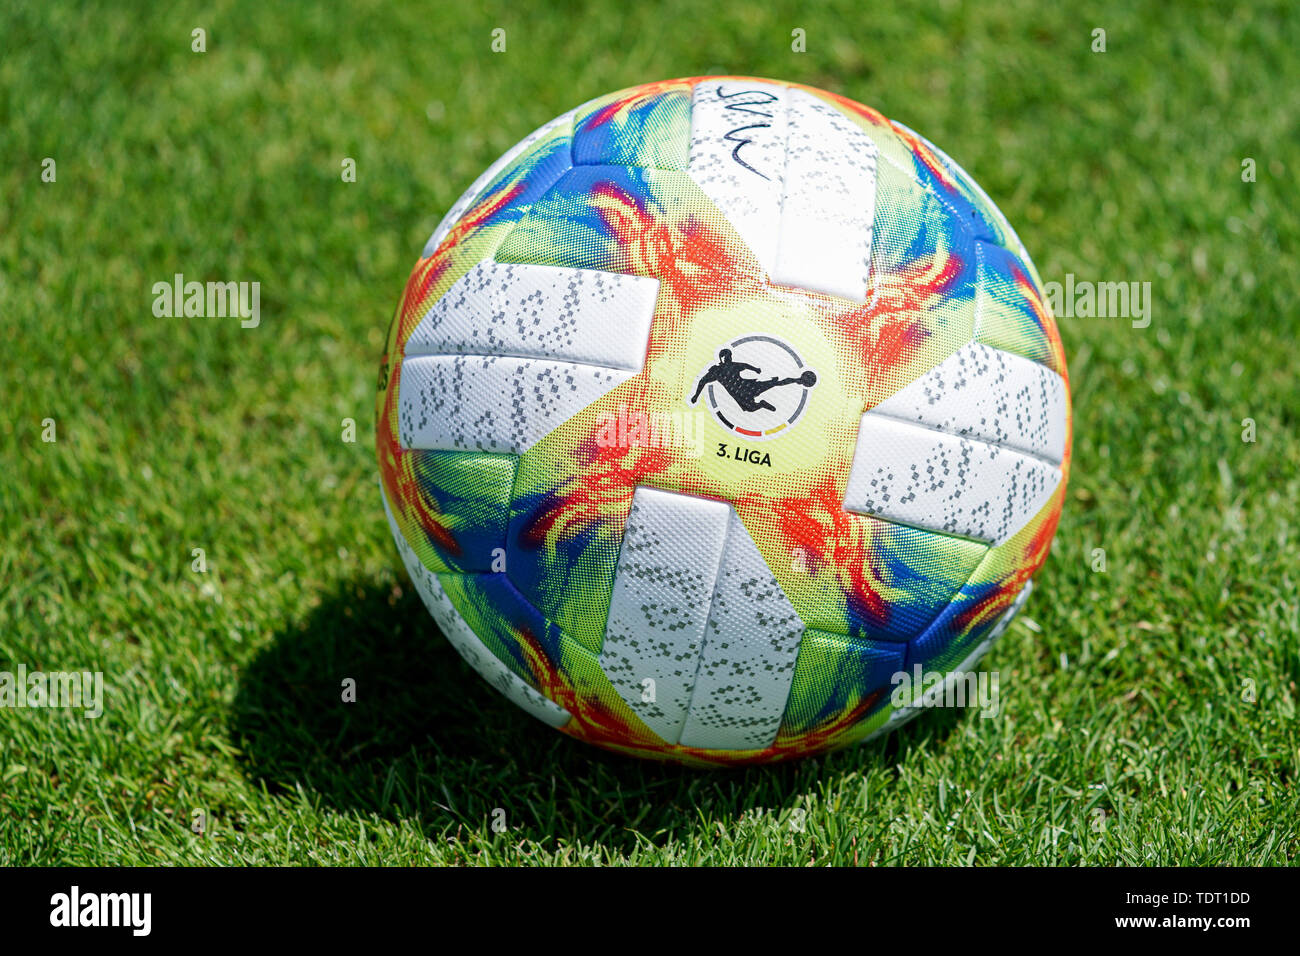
428 741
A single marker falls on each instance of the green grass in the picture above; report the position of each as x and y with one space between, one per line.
1149 712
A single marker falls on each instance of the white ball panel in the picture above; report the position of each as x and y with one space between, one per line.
738 141
493 403
940 482
750 647
986 393
667 567
534 311
829 201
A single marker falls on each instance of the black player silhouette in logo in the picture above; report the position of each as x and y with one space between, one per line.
745 391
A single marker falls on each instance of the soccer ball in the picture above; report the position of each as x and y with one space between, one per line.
715 411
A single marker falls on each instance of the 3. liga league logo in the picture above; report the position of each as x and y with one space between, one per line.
757 388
